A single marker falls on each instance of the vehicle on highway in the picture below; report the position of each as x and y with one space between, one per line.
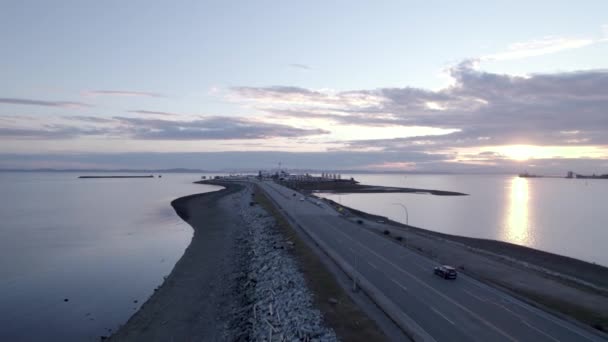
446 272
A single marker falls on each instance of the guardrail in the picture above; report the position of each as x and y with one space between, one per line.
402 320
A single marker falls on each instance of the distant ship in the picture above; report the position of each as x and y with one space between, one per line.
605 176
569 175
529 175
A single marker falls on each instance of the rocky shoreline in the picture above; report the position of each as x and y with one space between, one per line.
275 302
235 282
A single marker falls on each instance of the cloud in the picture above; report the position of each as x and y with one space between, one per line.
212 128
483 109
52 132
94 119
300 66
280 95
539 47
544 46
326 161
122 93
31 102
277 93
243 160
150 112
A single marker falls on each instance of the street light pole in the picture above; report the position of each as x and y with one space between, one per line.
356 276
406 214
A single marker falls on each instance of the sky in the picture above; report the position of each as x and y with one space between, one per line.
408 86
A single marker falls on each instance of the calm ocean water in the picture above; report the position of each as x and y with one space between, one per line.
106 243
103 244
563 216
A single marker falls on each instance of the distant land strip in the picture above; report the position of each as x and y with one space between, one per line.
148 176
350 187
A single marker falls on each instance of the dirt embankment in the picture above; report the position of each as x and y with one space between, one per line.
189 305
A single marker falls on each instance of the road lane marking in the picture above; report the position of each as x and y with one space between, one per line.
506 309
512 301
372 265
540 314
442 315
475 296
490 325
540 331
398 283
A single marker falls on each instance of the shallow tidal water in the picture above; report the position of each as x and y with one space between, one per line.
558 215
79 256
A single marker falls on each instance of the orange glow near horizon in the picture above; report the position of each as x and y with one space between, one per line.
529 152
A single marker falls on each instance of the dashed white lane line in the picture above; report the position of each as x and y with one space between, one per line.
540 331
475 296
511 301
423 283
538 313
398 283
506 309
523 320
372 265
442 315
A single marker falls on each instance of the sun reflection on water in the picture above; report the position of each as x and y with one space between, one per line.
516 226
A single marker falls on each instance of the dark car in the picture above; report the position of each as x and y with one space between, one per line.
445 271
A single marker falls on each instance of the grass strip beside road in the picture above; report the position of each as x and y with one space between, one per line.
344 317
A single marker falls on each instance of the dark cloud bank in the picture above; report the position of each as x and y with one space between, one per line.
252 161
33 102
123 93
211 128
486 109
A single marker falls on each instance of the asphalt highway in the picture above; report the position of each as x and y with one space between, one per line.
447 310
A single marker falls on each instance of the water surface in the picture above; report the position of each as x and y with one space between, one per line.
563 216
102 244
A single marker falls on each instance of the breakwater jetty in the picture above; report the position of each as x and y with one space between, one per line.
92 177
